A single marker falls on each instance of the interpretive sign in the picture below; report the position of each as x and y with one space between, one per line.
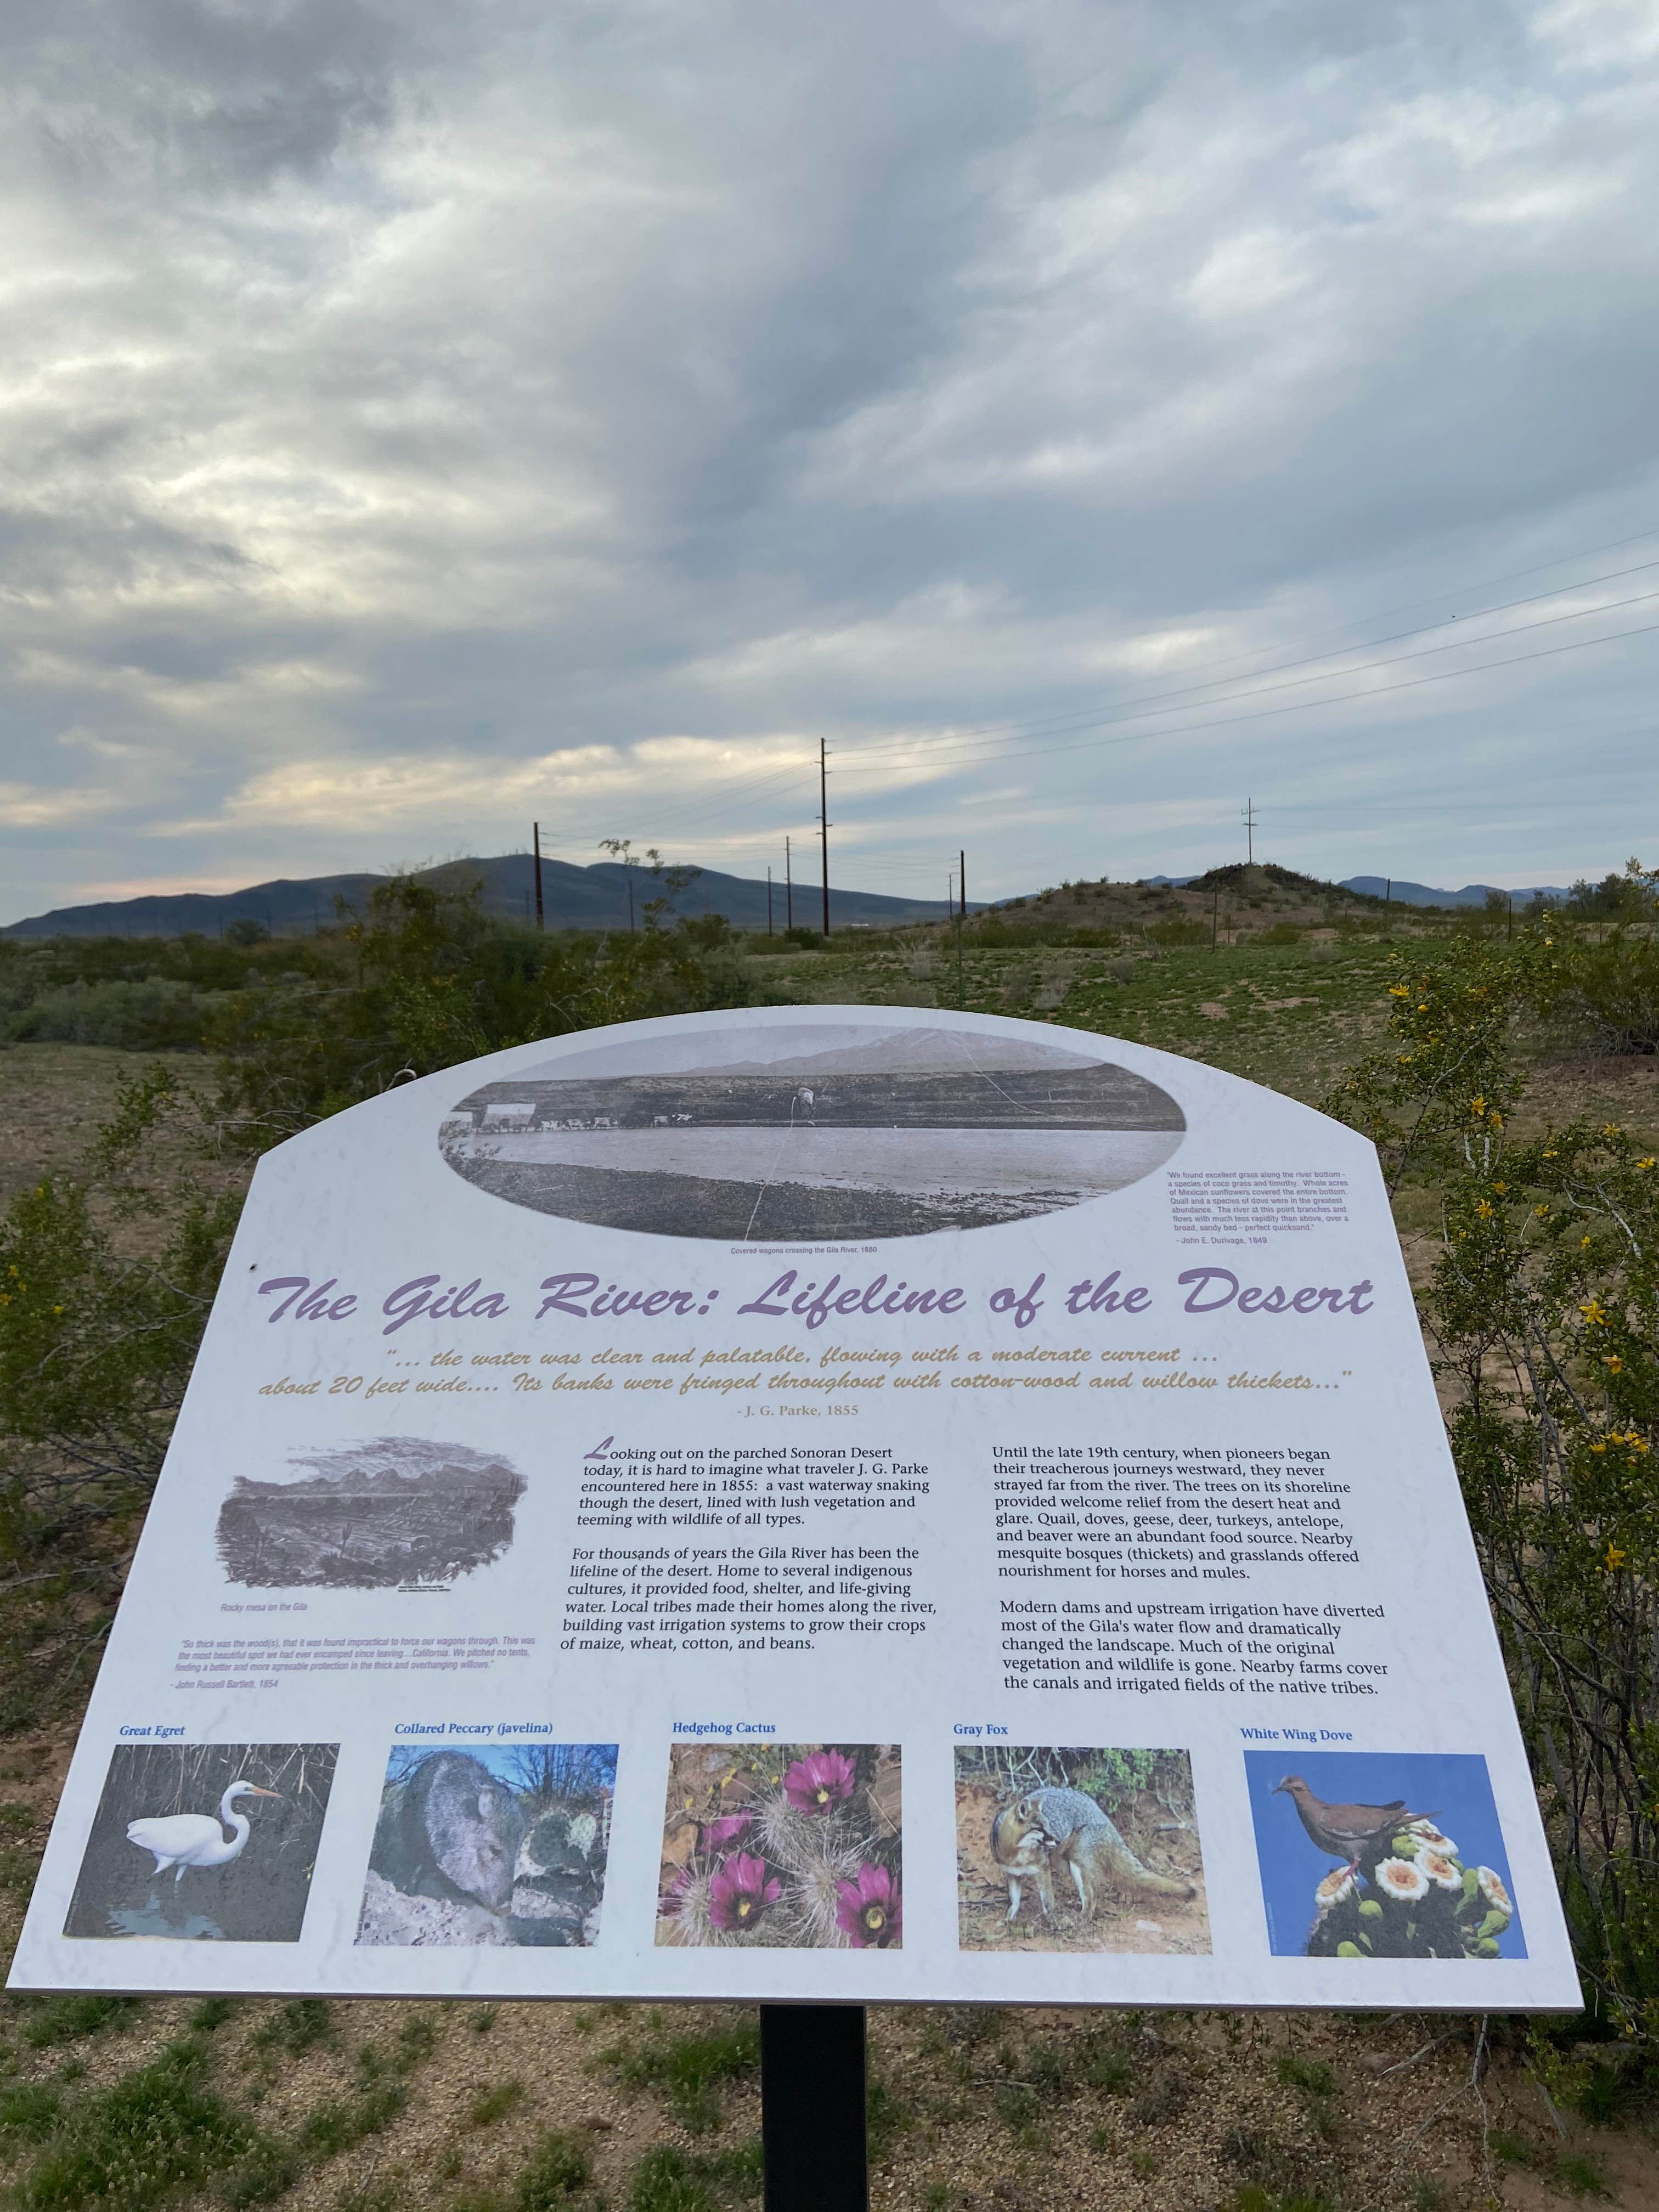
831 1503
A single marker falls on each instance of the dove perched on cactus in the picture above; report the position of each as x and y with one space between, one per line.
1346 1832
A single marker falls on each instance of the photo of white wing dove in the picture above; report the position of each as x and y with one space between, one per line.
1348 1832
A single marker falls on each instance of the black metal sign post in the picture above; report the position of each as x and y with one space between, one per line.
812 2108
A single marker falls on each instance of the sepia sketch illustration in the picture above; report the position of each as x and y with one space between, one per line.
382 1515
830 1129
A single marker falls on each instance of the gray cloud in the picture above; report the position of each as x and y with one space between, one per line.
424 416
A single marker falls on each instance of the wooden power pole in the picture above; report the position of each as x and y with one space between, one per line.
536 839
1249 831
788 889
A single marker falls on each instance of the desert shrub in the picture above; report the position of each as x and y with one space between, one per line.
154 1015
1606 995
1542 1313
96 1345
1180 932
438 981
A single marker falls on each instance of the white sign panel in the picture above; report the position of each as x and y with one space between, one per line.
833 1502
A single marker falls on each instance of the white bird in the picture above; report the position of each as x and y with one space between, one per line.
197 1839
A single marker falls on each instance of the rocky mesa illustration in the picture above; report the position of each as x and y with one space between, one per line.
821 1129
378 1516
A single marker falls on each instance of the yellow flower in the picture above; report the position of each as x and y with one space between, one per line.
1598 1448
1477 1105
1549 1156
1613 1363
1398 991
1615 1558
1593 1312
1485 1210
1540 1211
1500 1187
1583 1243
1610 1129
1647 1162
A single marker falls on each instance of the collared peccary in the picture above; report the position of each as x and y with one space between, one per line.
452 1830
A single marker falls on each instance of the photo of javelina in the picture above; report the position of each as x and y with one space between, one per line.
503 1845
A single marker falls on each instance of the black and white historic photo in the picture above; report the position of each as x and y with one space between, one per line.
388 1513
830 1129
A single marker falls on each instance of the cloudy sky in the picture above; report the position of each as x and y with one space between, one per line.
421 416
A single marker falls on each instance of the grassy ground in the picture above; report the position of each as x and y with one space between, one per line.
112 2106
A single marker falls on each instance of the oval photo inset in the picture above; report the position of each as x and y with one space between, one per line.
826 1129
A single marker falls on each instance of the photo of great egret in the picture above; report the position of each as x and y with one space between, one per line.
832 1128
506 1844
204 1842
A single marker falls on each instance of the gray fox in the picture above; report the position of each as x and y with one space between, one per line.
1027 1835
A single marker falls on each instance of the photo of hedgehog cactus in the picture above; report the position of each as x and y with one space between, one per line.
1402 1886
788 1846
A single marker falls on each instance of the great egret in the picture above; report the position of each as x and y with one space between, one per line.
197 1839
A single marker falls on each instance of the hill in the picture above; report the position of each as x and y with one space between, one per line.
594 898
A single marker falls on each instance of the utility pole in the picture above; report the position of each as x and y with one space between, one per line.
951 890
1215 912
768 901
788 889
823 827
1250 832
536 839
962 881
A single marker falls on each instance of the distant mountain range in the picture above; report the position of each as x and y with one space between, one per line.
1425 895
1407 894
595 897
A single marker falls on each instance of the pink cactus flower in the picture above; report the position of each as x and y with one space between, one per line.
870 1911
816 1782
717 1834
739 1893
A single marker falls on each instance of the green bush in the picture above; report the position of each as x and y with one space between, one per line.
156 1015
1542 1311
437 982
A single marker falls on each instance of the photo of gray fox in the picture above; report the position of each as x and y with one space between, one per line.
1017 1841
